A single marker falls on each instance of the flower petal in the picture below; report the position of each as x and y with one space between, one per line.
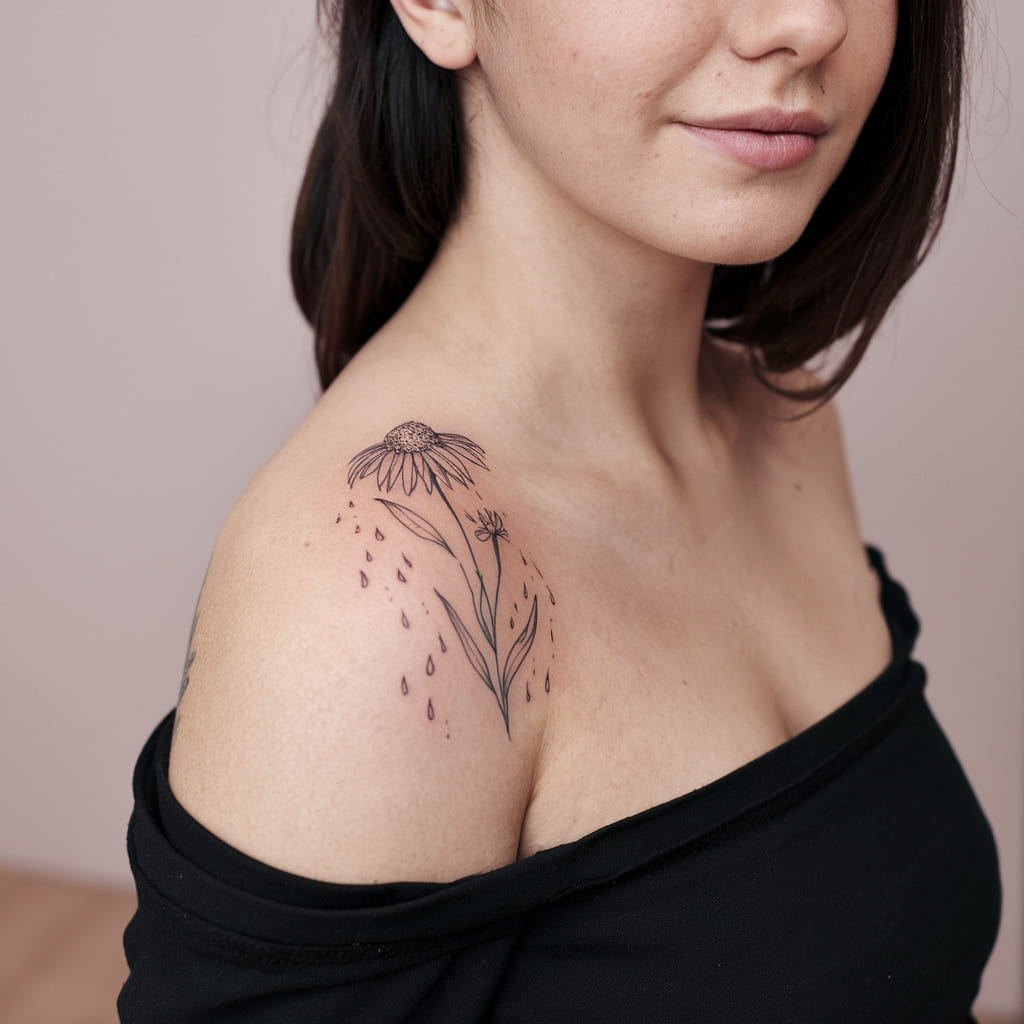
385 471
409 474
424 472
395 472
439 469
452 466
365 462
461 446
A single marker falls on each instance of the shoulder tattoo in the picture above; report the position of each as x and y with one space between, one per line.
494 603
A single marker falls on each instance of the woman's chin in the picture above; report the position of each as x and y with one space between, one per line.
732 244
747 251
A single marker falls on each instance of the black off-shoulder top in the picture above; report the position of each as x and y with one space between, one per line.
847 875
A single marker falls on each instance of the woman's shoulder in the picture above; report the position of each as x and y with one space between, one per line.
346 714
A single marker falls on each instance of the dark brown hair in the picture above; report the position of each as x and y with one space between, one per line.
385 174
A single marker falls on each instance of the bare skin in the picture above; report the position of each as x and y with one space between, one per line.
688 569
696 627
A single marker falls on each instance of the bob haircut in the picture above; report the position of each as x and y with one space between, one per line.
385 175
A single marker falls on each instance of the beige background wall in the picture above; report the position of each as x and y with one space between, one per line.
151 359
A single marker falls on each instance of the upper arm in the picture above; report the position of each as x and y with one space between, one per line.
334 724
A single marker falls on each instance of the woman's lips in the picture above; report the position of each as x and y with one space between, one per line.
765 140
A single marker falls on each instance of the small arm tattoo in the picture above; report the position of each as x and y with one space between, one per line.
191 656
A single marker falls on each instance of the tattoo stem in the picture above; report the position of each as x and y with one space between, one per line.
458 523
494 630
502 690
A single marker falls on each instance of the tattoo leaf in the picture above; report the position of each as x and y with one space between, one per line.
484 614
476 659
415 524
520 649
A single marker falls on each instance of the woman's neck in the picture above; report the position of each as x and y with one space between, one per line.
585 337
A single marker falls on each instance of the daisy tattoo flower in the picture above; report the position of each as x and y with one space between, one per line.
412 453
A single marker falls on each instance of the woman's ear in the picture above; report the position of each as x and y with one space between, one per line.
442 29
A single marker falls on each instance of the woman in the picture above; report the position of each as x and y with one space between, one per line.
543 673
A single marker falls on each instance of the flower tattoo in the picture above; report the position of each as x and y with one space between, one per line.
491 526
413 454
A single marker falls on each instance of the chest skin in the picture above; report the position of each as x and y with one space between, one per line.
696 632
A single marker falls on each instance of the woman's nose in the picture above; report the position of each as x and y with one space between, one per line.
804 31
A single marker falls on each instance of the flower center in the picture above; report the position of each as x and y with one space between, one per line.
410 437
